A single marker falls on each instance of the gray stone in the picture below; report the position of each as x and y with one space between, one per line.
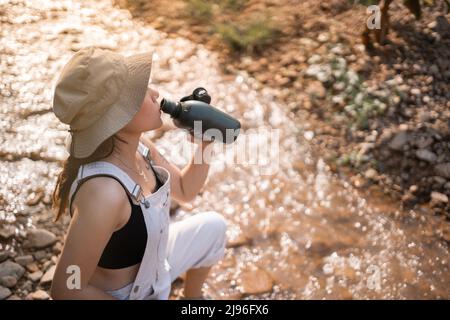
39 255
40 238
9 268
24 260
426 155
439 180
443 170
399 140
3 255
8 281
433 69
4 293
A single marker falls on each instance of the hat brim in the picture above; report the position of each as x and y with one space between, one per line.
85 142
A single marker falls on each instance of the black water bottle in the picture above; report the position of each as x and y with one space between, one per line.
195 114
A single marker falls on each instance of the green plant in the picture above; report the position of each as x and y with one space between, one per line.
356 103
233 5
353 159
199 9
248 37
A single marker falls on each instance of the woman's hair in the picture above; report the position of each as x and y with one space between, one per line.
70 170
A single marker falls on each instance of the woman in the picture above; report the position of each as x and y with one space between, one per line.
116 186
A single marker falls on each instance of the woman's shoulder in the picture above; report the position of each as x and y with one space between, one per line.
101 192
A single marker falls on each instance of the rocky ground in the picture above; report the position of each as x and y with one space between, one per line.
382 116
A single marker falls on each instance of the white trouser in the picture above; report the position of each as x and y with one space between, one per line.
194 242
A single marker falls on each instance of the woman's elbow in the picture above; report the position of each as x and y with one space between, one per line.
188 197
59 291
56 293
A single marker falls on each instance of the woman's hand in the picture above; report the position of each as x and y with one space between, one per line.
199 141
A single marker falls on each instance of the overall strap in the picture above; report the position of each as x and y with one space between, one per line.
145 152
105 169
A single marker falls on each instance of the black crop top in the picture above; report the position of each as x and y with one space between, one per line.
126 246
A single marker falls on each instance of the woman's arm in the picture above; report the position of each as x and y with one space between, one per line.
99 207
185 183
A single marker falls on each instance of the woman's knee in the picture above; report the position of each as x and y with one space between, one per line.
215 223
213 230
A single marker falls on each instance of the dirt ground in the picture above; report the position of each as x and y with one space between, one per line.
403 145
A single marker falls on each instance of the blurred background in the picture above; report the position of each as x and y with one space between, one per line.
356 202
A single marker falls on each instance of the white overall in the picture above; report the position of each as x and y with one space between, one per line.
198 241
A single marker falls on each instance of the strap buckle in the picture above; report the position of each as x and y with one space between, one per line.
137 193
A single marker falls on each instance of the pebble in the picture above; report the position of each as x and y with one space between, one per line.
47 264
316 89
439 180
433 69
35 276
358 181
426 155
323 37
438 197
38 295
57 248
255 280
24 260
8 281
48 276
415 91
3 256
443 170
371 173
4 293
9 268
308 135
40 238
7 232
314 59
32 267
27 286
399 140
39 255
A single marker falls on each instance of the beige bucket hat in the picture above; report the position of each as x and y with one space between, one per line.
97 93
